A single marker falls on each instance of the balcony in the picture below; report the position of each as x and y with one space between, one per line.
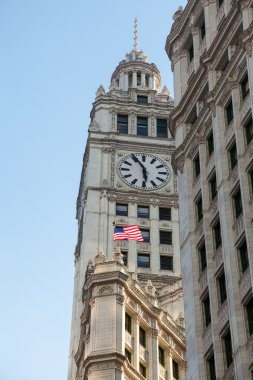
164 248
143 247
129 339
143 353
163 373
165 224
121 221
245 283
203 281
238 227
218 259
123 244
143 222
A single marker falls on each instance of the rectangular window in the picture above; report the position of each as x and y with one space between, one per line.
145 235
143 370
210 144
207 311
122 124
166 262
237 201
191 52
138 79
243 257
161 356
125 257
248 129
128 355
245 86
164 213
121 210
251 180
220 2
202 258
143 261
249 314
213 187
199 209
142 337
175 369
143 212
228 348
142 126
142 99
166 237
211 367
217 235
203 30
128 323
229 113
196 164
162 128
222 288
233 156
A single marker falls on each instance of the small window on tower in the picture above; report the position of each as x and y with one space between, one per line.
141 99
142 126
162 129
166 262
138 79
146 235
143 260
122 124
143 212
166 237
121 209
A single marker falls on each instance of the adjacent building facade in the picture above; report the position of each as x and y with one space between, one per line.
128 318
210 46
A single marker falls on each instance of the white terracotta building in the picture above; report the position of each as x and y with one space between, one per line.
128 315
210 46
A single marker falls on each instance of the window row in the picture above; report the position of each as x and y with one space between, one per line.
143 342
165 237
142 125
143 260
143 211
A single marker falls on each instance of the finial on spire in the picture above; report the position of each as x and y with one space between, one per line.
135 34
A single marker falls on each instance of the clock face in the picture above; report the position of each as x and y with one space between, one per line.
144 171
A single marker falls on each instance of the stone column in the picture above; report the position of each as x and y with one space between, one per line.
134 79
151 82
136 354
154 361
246 14
168 362
210 20
196 46
143 79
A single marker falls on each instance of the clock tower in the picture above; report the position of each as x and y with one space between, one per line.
127 179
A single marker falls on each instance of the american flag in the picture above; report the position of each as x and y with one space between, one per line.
127 233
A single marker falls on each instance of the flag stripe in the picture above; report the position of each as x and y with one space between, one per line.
131 232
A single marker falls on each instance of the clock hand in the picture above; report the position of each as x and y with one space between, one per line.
137 160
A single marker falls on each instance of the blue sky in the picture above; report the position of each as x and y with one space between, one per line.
53 57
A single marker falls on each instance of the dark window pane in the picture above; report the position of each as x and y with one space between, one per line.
143 261
245 86
243 257
228 349
166 237
249 312
124 253
161 356
203 30
143 370
175 368
164 213
233 156
213 187
237 204
162 129
142 99
142 337
220 2
202 258
122 124
142 126
251 180
222 288
145 235
166 262
121 210
191 53
199 209
138 79
128 355
248 128
196 163
211 368
210 144
229 112
217 235
128 323
207 312
143 212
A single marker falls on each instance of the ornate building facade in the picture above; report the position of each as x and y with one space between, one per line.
127 318
210 46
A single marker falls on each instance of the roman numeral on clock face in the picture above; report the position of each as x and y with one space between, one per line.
127 175
134 181
160 179
127 163
153 183
159 166
153 160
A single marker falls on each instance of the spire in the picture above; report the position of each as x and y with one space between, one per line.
136 34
